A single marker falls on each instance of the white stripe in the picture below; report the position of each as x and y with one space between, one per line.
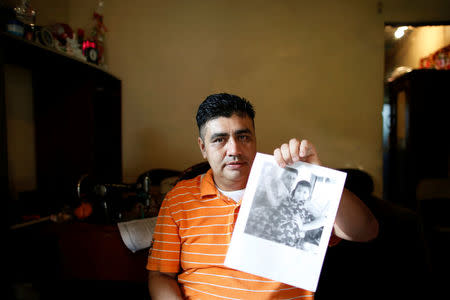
215 216
204 226
191 200
206 244
164 242
184 194
163 258
172 196
207 254
231 288
212 199
199 263
223 297
154 249
202 207
165 233
169 225
169 206
203 234
164 216
184 187
198 226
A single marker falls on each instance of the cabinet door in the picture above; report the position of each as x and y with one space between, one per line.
78 131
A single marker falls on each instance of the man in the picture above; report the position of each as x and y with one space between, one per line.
197 216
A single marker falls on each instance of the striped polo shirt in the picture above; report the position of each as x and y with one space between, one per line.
191 237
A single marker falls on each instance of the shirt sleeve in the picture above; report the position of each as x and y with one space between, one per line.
334 239
164 255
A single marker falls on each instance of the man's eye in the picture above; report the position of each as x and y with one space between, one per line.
244 138
218 140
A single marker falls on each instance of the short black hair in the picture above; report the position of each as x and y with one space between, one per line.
223 105
304 183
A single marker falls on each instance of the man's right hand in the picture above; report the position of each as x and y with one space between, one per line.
296 150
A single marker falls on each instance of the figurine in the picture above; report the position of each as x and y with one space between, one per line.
98 35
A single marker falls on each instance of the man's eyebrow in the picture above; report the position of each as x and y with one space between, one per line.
241 131
218 134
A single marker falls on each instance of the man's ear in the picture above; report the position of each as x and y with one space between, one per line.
202 146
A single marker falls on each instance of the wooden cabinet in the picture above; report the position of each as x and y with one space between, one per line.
419 133
77 120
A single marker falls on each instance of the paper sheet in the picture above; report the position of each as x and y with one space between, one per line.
271 237
137 234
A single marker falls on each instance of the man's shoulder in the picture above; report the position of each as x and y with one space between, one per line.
186 187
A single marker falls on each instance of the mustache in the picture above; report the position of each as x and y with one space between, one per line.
235 159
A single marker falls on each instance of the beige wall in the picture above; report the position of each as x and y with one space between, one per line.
313 69
306 71
50 11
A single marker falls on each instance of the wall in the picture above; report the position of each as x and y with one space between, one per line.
50 11
291 59
313 70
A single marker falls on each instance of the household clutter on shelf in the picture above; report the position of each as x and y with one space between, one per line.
439 60
19 18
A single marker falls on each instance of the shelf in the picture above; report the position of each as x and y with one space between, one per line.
76 108
17 50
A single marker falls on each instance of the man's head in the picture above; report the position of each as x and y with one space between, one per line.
223 105
227 138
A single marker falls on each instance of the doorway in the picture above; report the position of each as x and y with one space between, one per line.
407 47
416 148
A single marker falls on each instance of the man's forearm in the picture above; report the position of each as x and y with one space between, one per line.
354 221
163 286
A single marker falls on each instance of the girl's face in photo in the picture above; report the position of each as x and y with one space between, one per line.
302 193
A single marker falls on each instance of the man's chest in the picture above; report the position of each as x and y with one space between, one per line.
205 230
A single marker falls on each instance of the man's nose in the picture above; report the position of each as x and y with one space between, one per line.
233 147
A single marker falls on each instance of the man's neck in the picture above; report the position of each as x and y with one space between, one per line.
232 186
235 195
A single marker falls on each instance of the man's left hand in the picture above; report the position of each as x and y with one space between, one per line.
295 151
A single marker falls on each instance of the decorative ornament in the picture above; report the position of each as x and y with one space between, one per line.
83 211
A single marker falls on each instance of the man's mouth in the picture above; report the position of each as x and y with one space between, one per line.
235 164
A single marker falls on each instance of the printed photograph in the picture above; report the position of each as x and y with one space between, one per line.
286 209
286 220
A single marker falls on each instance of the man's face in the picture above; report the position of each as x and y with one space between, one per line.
229 145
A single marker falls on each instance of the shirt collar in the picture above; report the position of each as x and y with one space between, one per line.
207 186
